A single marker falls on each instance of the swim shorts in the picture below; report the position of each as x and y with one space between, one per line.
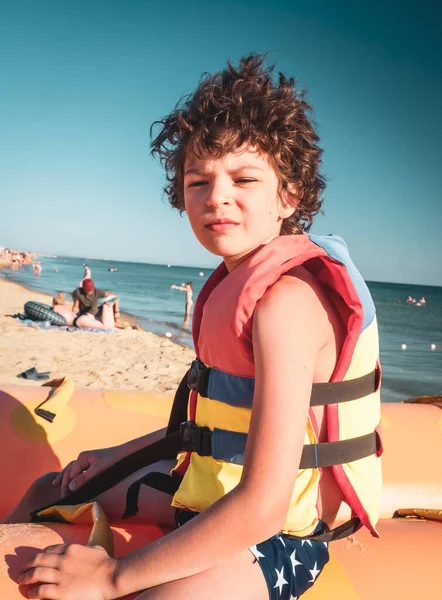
290 565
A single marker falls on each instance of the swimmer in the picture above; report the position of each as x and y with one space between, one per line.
87 275
189 293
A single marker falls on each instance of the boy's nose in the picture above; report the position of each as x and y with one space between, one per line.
218 195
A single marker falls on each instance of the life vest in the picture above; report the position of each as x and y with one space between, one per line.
222 333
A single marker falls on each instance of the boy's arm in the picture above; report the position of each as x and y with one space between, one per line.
290 327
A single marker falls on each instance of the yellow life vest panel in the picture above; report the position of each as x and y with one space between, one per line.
222 332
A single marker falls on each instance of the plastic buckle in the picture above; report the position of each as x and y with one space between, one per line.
197 368
195 439
188 430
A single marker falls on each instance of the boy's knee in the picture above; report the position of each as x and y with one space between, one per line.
42 491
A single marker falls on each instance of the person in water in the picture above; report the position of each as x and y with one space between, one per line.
284 311
187 287
87 274
91 315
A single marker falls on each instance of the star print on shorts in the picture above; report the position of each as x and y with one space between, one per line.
290 566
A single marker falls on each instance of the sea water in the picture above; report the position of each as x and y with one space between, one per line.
407 332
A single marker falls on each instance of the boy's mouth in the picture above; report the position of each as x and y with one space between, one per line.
220 225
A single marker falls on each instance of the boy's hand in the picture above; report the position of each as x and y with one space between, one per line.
88 465
70 572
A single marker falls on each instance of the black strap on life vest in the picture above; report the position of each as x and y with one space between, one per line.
199 439
158 481
344 391
331 535
322 393
178 413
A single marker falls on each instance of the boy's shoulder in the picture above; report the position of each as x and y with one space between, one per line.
296 291
296 286
299 300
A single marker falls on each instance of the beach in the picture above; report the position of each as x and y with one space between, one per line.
410 335
126 359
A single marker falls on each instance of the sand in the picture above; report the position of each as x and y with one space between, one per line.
127 359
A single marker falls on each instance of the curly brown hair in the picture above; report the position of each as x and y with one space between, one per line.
240 106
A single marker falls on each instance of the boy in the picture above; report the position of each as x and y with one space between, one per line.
283 312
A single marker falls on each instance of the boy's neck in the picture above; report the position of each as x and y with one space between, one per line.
232 262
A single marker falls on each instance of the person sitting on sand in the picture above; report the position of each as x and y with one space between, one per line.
189 293
89 314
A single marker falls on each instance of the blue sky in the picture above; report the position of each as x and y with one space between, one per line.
82 82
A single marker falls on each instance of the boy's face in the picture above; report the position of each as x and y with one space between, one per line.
233 203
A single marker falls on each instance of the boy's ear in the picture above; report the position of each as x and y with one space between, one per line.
289 200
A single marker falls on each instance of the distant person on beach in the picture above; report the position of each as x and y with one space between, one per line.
36 268
421 302
58 300
89 314
189 293
16 263
64 307
266 457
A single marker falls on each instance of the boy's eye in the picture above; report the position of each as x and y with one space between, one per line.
245 180
197 183
202 182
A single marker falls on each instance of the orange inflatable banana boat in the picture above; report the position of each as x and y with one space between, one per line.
403 563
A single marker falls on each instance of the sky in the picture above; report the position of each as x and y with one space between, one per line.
81 83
